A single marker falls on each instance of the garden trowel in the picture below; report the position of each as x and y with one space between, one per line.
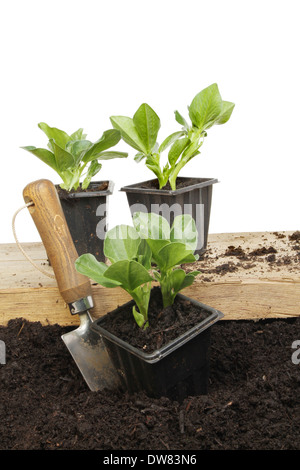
85 346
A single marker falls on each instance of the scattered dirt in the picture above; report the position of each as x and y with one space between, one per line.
263 251
235 251
279 235
295 236
271 254
165 324
221 269
253 399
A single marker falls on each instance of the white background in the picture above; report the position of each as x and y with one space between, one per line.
74 63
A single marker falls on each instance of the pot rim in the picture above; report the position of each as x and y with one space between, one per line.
162 352
106 192
197 183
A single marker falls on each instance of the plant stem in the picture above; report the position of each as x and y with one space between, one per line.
166 289
174 174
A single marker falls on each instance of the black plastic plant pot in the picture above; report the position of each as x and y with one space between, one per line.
193 196
177 370
86 215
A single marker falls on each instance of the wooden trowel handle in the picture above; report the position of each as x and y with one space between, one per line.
50 221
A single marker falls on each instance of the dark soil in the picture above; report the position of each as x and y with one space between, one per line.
263 251
93 187
235 251
295 236
180 183
165 324
253 400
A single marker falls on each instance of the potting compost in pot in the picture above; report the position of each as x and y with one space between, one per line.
171 357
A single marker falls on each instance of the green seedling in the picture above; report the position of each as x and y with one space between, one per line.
74 157
140 132
149 251
170 248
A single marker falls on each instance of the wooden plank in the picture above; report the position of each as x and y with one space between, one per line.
242 287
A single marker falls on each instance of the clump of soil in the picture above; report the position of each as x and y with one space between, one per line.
221 269
279 235
235 251
263 251
295 236
252 402
165 324
226 268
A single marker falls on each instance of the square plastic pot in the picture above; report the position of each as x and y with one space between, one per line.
194 199
86 215
177 370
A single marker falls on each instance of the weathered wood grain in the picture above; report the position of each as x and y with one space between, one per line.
252 288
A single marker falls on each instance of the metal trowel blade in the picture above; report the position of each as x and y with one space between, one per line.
90 355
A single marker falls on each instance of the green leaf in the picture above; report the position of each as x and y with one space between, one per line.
64 159
172 255
109 155
206 106
60 137
191 150
78 135
226 112
94 168
130 274
165 174
139 157
170 140
50 146
188 281
151 226
43 154
190 259
147 124
194 273
71 179
184 231
153 163
77 148
139 317
144 254
129 132
156 246
109 139
121 242
176 150
88 265
176 279
180 119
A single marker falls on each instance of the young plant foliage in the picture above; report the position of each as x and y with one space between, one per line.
140 132
73 156
151 250
170 247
